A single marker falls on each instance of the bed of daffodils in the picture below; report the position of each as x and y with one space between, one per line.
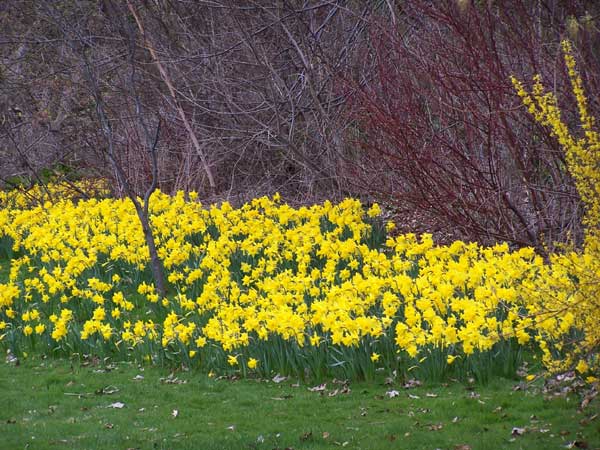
268 288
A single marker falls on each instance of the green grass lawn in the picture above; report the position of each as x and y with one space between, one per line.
46 404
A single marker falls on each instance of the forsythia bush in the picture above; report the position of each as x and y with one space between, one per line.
574 287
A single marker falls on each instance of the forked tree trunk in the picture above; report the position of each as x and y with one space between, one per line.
158 271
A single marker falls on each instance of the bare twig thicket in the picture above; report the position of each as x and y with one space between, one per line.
245 91
406 102
444 132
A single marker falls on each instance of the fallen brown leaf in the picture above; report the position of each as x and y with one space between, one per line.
172 379
588 398
306 436
516 431
411 383
577 444
319 388
107 390
278 378
116 405
587 420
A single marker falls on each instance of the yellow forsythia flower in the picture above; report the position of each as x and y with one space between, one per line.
582 366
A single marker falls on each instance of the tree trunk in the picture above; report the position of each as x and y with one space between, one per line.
158 272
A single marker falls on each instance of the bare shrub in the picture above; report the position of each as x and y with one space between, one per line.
444 132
